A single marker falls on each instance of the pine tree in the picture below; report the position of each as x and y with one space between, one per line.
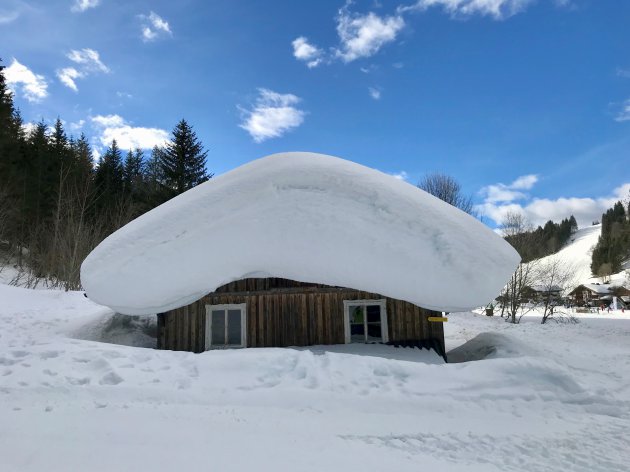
132 170
109 180
183 160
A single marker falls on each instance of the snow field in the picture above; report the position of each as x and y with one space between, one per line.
548 398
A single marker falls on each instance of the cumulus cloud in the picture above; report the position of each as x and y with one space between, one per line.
127 137
29 127
67 76
32 86
80 6
508 192
498 9
363 35
500 200
306 52
374 93
624 113
154 26
88 61
273 115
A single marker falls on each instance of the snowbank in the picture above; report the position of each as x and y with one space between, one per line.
305 217
558 401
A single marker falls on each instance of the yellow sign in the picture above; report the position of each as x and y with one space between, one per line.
438 319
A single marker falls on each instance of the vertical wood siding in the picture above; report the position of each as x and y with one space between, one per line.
298 315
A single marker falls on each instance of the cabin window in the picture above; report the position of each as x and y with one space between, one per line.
365 321
226 326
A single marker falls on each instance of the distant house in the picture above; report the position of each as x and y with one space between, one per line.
299 249
597 294
540 293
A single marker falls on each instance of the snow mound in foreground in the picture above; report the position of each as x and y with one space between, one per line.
306 217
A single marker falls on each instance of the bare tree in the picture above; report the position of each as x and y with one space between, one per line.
517 231
514 292
554 277
447 189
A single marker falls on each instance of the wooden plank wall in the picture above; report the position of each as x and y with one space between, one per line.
292 317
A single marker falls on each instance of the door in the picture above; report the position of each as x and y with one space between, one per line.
365 321
226 326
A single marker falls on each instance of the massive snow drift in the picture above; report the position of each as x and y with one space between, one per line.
305 217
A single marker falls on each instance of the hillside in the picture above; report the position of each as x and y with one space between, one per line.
578 252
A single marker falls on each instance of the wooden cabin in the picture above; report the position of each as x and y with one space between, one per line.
275 312
597 294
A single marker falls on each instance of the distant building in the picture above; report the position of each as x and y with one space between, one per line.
598 294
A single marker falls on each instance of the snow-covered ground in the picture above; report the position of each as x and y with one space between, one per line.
548 398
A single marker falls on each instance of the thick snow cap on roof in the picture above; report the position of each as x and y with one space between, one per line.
306 217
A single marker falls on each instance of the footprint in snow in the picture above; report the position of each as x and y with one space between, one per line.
50 354
78 381
111 378
20 353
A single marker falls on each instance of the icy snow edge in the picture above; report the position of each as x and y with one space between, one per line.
307 217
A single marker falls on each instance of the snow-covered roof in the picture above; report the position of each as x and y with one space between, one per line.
597 288
306 217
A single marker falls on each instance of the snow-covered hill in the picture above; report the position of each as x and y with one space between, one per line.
557 399
578 251
577 254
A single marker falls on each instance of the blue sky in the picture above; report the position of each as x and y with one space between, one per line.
525 102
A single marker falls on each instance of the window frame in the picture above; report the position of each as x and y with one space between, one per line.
225 307
381 302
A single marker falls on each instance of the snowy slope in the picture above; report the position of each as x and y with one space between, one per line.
578 254
558 400
578 251
305 217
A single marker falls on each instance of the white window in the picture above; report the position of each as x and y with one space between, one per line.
226 326
365 321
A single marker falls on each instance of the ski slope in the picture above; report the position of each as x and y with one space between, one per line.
577 254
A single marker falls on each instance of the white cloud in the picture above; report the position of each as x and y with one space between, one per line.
108 121
80 6
374 93
508 192
127 137
154 26
364 35
273 115
541 210
89 59
33 86
402 175
524 182
76 126
306 52
498 9
88 62
67 76
624 113
29 127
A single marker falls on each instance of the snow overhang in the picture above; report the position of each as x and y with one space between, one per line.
306 217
